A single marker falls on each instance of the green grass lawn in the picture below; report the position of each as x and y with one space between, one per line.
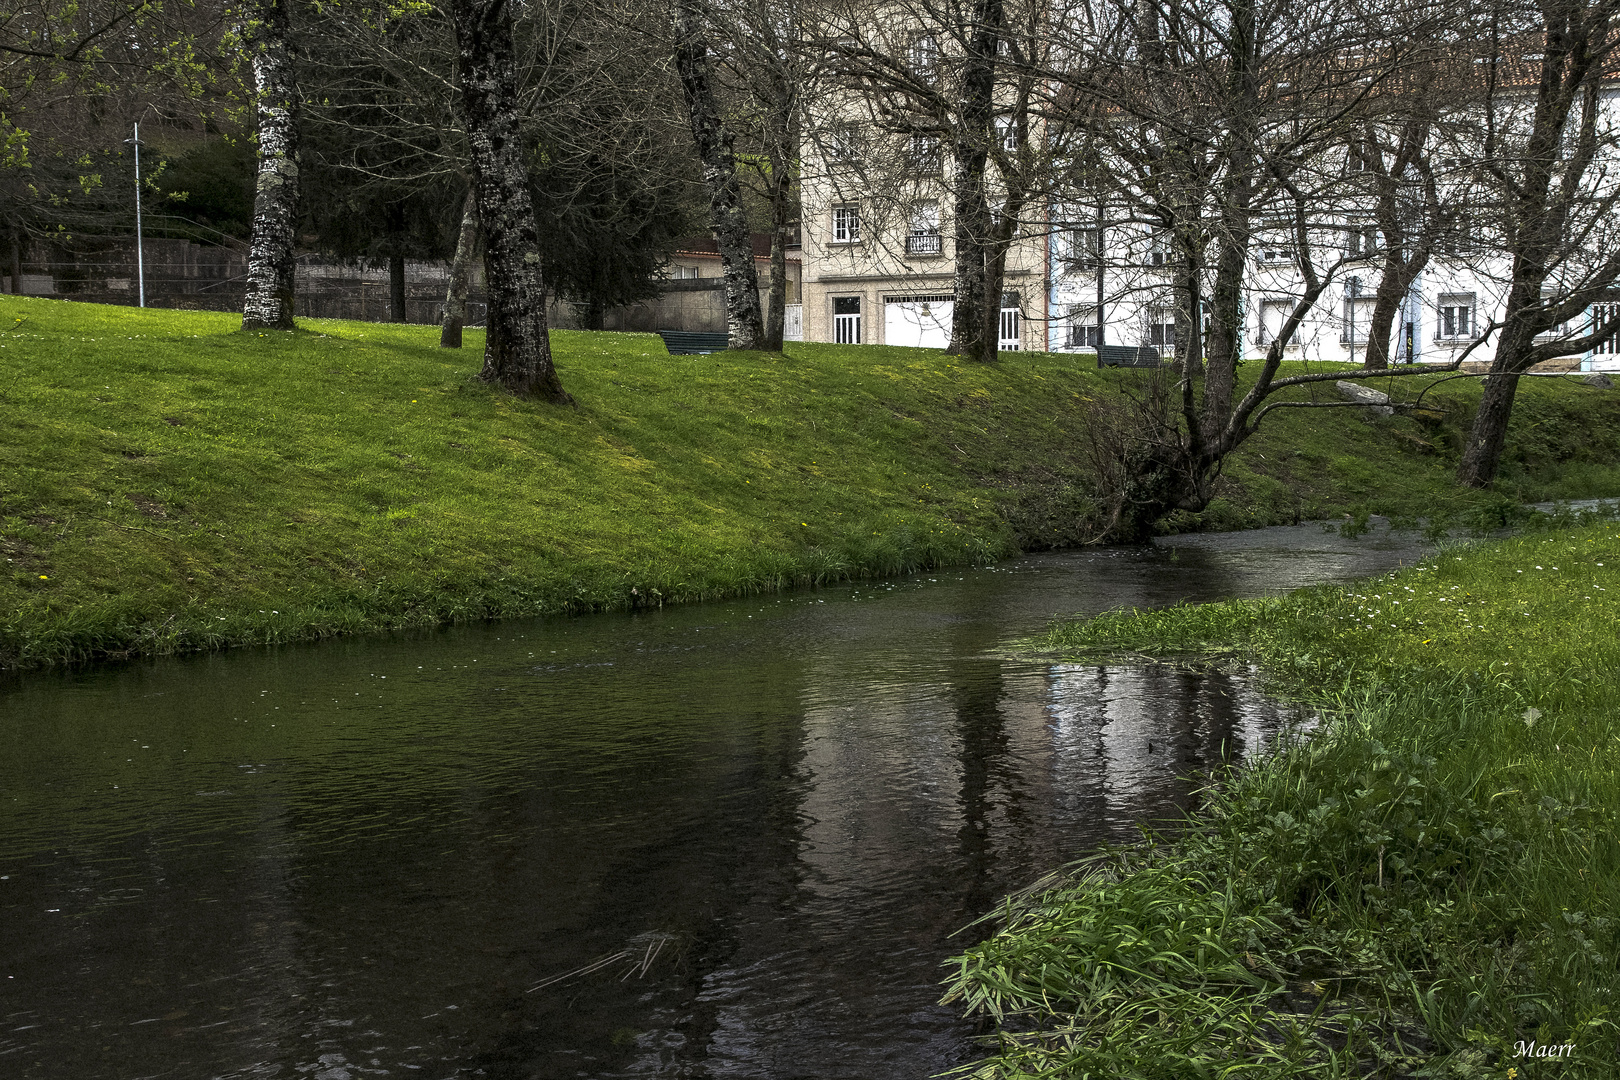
168 482
1425 886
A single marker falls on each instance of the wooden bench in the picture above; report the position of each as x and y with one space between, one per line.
693 342
1145 356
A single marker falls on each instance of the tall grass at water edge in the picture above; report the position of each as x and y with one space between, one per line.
1426 885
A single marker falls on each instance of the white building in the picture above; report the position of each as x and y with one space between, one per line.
879 261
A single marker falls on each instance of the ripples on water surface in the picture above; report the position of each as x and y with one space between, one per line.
365 857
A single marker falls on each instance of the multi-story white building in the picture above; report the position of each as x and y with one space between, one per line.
878 267
1443 315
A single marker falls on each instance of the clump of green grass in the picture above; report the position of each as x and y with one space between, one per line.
1423 886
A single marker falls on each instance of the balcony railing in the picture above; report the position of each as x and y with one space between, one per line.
923 244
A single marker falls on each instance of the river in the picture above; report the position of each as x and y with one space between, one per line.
726 840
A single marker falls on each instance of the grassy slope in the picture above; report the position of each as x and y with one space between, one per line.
168 482
1436 870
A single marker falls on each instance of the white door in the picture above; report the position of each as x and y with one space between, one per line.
918 322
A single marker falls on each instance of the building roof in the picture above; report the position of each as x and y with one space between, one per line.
706 247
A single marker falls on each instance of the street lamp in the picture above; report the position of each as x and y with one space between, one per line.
1352 289
140 254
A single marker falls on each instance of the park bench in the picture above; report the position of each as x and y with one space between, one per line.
1128 356
692 342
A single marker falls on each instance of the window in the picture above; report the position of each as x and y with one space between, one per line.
1159 250
1082 327
1275 251
925 155
1161 327
923 57
1012 336
1361 242
1604 316
846 320
1357 320
1360 157
683 272
843 142
1273 314
846 225
1456 321
1007 134
1086 249
924 236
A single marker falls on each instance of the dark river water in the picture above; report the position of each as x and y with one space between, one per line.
729 840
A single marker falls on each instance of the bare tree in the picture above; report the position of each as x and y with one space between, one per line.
1215 125
1409 214
1546 147
963 85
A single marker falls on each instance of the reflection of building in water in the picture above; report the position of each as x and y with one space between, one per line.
1125 737
1013 768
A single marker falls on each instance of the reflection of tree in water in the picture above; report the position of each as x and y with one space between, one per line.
1137 743
991 784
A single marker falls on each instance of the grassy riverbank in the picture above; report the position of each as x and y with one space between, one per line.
170 483
1427 885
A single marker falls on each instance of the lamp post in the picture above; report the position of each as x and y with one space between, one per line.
140 254
1352 289
1098 255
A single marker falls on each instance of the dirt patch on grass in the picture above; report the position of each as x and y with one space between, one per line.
150 507
19 554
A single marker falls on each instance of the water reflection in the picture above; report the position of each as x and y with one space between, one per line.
764 819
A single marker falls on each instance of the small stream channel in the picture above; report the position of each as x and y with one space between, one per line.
763 820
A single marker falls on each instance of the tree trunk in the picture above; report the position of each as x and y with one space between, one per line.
995 296
783 134
1225 344
976 314
968 313
1482 455
1393 285
15 254
396 288
744 323
455 294
595 313
271 264
781 229
1546 191
517 349
1189 275
776 298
